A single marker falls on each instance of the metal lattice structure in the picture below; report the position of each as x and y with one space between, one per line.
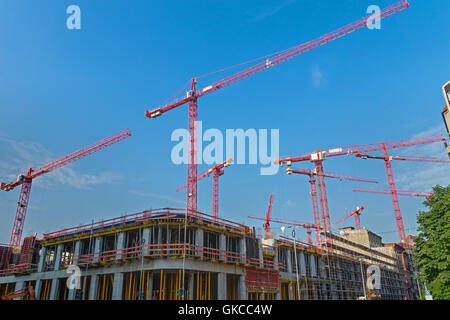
216 171
322 191
356 213
317 157
26 180
193 94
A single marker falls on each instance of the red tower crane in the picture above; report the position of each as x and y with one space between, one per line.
394 194
26 179
312 186
272 60
269 212
356 213
358 150
308 226
217 171
399 192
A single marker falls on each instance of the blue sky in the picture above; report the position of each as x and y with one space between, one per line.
62 89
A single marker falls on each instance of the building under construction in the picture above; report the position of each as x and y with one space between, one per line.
152 255
169 254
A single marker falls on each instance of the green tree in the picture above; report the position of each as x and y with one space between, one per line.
432 246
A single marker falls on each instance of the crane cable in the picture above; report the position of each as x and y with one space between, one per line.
247 62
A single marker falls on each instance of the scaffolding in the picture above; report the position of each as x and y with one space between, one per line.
266 268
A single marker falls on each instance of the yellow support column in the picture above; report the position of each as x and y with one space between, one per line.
180 282
209 285
147 286
104 287
165 278
197 287
133 288
129 286
200 287
176 284
160 285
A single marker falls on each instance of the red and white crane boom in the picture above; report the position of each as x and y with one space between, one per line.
308 226
216 171
359 151
193 94
356 213
25 181
399 192
322 191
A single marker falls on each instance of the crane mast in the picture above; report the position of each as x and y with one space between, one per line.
216 171
356 213
312 173
317 157
308 226
269 212
26 180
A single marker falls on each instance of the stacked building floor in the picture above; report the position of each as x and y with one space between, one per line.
153 254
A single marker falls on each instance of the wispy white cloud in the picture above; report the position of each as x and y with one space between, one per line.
317 77
289 204
425 179
422 176
265 12
438 129
70 177
17 156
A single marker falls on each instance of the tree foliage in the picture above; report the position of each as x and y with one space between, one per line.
433 243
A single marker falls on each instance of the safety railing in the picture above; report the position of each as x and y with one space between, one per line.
172 250
19 268
104 224
283 267
140 217
159 250
268 249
